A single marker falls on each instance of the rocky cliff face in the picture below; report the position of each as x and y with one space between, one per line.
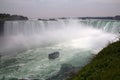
1 27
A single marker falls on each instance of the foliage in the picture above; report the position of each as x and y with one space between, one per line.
4 17
104 66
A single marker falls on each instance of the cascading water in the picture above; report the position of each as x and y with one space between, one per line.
26 45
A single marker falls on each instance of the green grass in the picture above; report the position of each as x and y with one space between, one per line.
104 66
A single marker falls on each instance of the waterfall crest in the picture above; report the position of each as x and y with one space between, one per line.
36 27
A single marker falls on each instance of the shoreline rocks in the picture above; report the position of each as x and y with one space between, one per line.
65 72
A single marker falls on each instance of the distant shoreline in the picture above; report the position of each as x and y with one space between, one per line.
9 17
4 17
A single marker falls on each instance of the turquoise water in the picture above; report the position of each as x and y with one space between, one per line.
26 47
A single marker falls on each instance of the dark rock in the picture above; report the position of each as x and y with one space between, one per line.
63 18
66 71
1 28
54 55
43 19
66 68
117 17
52 19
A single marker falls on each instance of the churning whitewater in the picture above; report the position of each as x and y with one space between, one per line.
26 45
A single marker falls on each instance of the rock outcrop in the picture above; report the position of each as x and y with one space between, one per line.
66 71
1 27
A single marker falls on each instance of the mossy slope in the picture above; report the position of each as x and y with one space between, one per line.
105 65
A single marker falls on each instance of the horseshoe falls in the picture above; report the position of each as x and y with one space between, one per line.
25 45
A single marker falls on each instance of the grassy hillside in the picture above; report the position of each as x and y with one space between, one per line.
105 66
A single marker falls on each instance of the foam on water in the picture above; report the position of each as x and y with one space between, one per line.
36 39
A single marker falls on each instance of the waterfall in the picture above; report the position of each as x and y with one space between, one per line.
27 34
112 26
36 27
25 45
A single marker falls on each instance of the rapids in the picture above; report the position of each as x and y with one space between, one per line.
26 45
